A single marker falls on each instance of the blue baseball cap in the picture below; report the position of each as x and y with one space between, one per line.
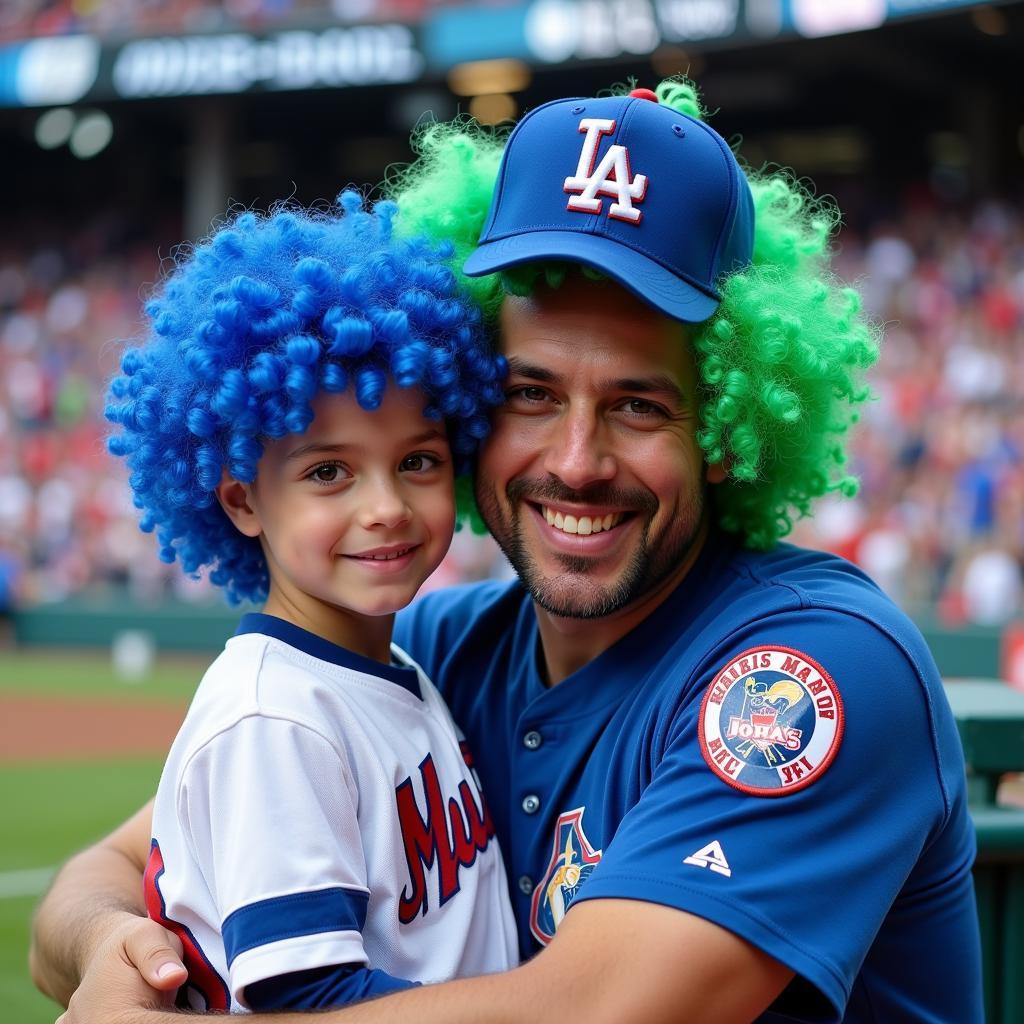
651 197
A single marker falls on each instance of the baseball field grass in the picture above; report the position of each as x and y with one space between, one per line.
55 803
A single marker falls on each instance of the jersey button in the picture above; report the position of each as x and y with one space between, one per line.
531 804
526 885
532 740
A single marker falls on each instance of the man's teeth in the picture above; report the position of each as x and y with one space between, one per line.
582 525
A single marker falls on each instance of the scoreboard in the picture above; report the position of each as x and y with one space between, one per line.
328 53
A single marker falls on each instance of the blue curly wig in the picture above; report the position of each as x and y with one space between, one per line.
245 331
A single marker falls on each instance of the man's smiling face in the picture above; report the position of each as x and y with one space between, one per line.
592 481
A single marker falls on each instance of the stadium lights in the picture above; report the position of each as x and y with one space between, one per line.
814 18
53 128
61 69
91 134
488 77
86 133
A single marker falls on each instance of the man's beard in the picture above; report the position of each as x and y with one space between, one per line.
572 594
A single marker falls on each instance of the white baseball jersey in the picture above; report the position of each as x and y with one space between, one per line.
319 808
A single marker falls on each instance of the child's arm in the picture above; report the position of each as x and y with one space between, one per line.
322 988
268 809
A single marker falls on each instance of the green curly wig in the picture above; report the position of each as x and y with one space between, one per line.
780 364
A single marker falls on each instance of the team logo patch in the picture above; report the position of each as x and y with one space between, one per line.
771 721
573 860
612 177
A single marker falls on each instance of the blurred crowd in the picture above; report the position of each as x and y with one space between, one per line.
68 306
117 19
65 510
939 520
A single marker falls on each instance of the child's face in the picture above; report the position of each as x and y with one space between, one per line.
358 511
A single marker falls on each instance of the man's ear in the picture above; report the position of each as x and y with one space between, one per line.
236 500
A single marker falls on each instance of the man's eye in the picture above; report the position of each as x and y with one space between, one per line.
528 392
641 407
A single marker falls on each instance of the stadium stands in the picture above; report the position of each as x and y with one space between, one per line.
939 517
939 520
24 19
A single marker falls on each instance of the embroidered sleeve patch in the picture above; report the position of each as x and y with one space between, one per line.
771 721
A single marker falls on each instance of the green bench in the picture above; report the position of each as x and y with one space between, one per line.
990 718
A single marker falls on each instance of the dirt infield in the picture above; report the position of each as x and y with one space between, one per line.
63 729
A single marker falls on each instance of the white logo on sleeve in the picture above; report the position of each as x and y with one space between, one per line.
710 856
612 176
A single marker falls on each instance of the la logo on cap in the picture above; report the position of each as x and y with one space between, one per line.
670 244
612 177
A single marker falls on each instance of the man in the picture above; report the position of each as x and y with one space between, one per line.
726 781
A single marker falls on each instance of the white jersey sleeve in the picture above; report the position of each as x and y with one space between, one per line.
270 811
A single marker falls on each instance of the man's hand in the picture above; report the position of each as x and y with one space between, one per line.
155 953
137 968
95 898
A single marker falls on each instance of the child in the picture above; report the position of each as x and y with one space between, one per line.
291 422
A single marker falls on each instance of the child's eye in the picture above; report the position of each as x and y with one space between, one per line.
327 473
419 463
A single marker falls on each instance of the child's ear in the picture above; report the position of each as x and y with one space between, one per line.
236 500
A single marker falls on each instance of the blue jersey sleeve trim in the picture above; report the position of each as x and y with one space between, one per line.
321 987
737 918
288 917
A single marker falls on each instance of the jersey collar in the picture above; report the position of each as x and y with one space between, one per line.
317 647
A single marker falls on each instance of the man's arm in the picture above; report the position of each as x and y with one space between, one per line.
612 961
96 900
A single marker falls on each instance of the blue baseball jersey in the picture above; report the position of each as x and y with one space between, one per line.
771 749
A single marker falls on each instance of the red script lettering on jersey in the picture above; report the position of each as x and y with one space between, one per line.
469 826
